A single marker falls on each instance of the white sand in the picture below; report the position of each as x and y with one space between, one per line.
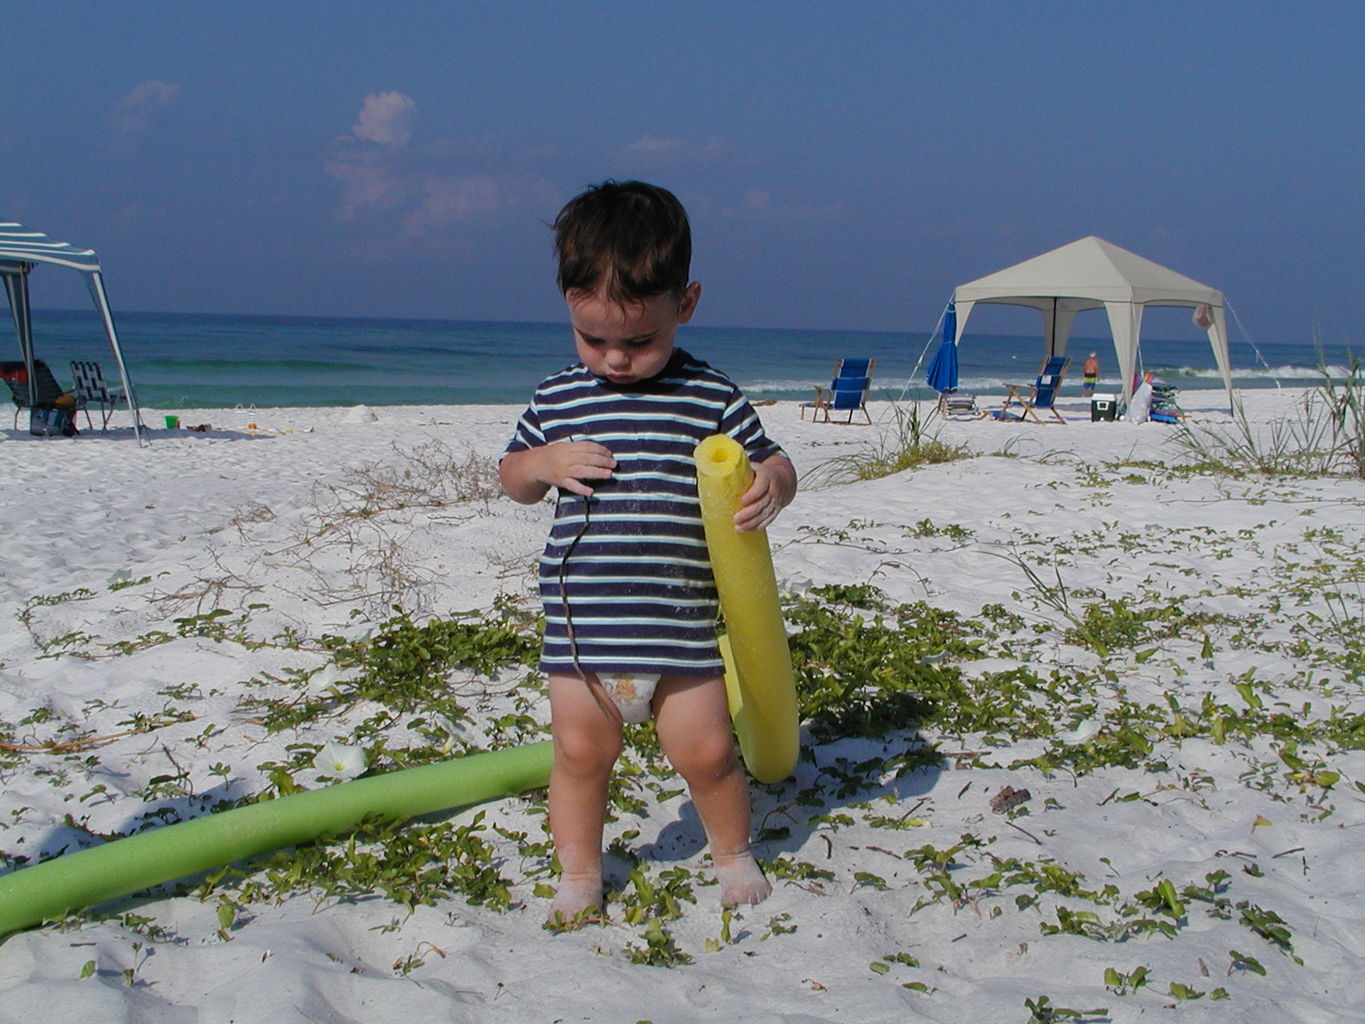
233 517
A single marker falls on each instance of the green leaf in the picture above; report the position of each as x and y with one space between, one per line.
1166 890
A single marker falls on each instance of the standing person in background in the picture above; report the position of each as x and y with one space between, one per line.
1090 371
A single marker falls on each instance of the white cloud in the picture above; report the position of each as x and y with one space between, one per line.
368 183
758 204
134 111
758 199
429 194
386 118
452 199
654 151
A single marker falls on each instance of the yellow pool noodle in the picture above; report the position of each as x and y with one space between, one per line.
758 667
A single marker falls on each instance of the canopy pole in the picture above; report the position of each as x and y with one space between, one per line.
16 287
95 281
914 374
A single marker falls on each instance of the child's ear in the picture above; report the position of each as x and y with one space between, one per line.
688 305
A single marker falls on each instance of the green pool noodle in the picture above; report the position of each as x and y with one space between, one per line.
123 866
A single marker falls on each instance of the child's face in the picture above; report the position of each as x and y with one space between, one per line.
628 343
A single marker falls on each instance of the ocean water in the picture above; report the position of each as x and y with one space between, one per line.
189 361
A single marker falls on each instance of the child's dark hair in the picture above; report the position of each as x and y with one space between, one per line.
626 239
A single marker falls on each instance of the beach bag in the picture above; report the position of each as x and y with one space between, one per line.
52 422
1140 404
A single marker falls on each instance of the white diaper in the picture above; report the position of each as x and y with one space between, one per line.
631 692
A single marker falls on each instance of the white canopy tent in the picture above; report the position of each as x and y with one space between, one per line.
1091 273
21 249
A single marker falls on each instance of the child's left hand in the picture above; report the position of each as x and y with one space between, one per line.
772 490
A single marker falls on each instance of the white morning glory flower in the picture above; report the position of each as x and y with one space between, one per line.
1080 733
339 761
324 678
455 733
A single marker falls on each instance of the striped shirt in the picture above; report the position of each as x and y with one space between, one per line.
625 579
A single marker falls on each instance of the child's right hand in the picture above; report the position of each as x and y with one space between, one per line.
567 464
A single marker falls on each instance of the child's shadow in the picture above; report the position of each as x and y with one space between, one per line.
828 776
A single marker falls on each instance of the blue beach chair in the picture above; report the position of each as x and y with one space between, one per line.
1042 393
847 392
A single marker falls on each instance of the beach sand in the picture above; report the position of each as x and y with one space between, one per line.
1207 623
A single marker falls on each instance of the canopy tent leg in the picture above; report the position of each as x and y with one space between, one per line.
16 287
95 282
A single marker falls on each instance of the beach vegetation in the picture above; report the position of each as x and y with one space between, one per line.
655 899
1043 1011
1116 679
1345 401
403 668
1124 983
351 543
908 444
1296 445
862 671
891 961
657 948
408 864
1324 435
800 872
928 528
431 475
779 924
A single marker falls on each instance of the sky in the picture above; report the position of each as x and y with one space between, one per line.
844 165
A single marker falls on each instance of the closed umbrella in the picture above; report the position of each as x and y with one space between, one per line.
942 373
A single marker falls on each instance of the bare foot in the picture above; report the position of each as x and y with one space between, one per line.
741 879
579 899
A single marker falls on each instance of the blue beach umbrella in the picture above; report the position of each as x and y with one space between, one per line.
942 373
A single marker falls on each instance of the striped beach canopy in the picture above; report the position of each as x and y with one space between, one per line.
22 249
19 244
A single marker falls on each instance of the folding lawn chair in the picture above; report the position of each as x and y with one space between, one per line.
52 408
1042 393
846 392
92 390
954 405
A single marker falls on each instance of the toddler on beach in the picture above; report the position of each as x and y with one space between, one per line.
626 584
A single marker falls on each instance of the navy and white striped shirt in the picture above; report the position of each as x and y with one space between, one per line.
630 562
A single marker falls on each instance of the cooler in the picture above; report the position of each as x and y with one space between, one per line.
1104 407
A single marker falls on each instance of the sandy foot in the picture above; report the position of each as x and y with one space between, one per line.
741 879
577 894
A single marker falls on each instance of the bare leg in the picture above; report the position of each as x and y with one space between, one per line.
587 742
694 729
